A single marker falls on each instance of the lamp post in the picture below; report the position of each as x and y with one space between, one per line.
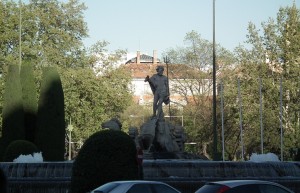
20 34
215 135
70 129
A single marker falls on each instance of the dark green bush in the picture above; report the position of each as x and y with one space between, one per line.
2 148
12 110
106 156
18 147
29 93
50 131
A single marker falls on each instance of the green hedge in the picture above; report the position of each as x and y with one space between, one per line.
50 131
106 156
17 148
12 112
29 93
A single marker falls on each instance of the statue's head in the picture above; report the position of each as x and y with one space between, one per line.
160 70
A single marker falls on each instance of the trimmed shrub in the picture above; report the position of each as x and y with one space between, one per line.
18 147
2 148
3 182
106 156
29 93
12 112
50 133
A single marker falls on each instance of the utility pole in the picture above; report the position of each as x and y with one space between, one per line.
20 34
215 141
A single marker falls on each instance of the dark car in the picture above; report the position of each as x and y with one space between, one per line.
243 186
135 186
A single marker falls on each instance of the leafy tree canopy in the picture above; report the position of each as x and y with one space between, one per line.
51 32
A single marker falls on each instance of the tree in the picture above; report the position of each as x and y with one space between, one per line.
12 113
50 134
113 158
95 95
51 32
190 75
29 93
90 100
271 58
8 34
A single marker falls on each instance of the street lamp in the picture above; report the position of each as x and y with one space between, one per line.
215 142
70 129
20 34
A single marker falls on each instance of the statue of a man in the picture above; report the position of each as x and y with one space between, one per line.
160 88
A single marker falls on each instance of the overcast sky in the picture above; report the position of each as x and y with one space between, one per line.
148 25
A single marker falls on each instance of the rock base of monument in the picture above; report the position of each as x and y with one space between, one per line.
172 155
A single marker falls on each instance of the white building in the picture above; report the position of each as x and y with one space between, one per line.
143 65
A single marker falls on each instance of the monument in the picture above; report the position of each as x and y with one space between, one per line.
157 135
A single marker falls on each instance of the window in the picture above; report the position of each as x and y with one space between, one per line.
140 188
245 189
107 187
209 188
266 188
163 188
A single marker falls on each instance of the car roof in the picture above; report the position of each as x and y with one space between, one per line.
131 182
233 183
136 182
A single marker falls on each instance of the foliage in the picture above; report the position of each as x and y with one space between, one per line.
50 134
91 100
106 156
29 100
12 113
2 85
17 148
2 148
197 53
252 81
135 115
104 60
190 73
270 60
51 32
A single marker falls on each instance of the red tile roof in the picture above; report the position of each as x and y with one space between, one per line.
141 70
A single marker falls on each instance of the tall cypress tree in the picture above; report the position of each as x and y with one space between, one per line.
29 100
50 134
12 113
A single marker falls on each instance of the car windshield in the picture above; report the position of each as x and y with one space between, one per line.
211 188
107 187
163 188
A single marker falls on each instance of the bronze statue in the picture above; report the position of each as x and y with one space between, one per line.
160 88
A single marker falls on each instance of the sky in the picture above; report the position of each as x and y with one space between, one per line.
147 25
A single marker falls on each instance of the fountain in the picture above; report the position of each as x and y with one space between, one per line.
189 175
186 175
164 160
43 177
